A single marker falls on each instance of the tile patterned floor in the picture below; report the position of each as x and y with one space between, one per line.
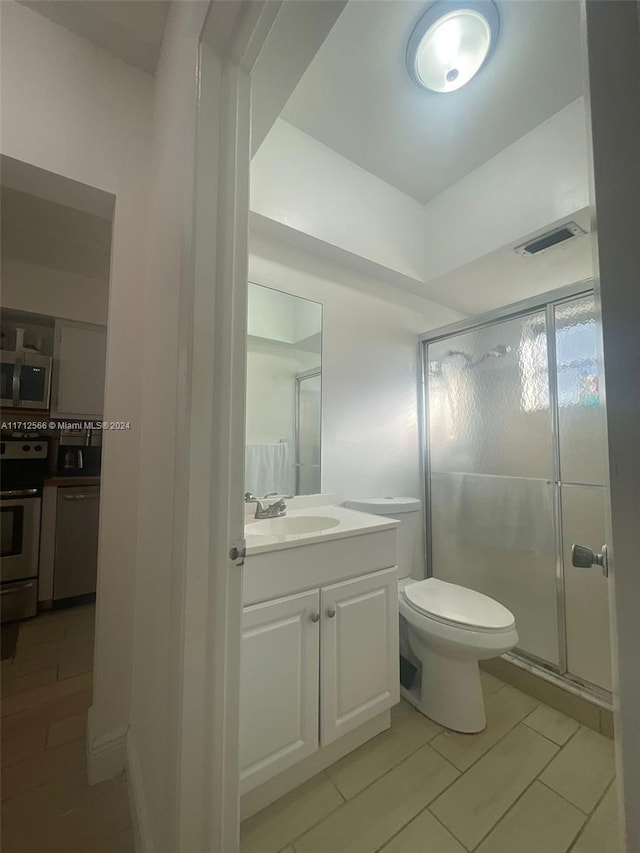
535 781
47 806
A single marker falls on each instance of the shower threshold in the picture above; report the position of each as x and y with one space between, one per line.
588 692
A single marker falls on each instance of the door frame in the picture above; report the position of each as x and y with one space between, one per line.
234 36
237 38
611 33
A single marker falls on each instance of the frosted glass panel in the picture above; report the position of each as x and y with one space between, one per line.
580 410
586 590
309 423
496 535
492 480
489 400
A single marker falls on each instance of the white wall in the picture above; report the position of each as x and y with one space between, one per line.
302 187
157 695
71 108
369 370
540 179
300 183
27 287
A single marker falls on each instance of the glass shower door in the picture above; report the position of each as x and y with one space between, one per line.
308 432
583 459
492 486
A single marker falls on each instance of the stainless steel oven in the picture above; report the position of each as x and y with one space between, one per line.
23 465
20 521
25 380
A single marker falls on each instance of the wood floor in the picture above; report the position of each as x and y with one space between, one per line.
47 806
535 781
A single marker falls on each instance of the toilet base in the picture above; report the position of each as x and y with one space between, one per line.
450 692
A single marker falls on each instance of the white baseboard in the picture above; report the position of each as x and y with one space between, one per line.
139 813
106 754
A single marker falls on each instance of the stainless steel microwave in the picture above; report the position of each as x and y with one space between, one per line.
26 380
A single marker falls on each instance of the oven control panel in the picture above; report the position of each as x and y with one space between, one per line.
19 448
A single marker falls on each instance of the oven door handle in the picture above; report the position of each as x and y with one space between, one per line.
17 370
14 589
18 493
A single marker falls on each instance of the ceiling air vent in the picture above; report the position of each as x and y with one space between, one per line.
552 238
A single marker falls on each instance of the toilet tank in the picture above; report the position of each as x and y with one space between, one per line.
407 512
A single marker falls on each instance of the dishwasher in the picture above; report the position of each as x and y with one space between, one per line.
76 554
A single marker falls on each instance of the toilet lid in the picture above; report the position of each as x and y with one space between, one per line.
449 602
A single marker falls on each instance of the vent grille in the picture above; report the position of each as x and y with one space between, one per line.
552 238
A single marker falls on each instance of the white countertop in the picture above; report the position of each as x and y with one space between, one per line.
350 523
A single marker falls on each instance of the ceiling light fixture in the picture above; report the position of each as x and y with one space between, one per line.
451 42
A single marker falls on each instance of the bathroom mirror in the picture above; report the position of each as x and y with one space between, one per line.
284 393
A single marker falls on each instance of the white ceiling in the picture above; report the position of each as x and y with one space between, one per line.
129 29
503 276
357 98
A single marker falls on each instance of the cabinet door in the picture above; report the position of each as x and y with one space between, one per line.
359 675
76 554
278 686
79 359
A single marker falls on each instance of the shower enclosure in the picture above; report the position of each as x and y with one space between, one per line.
515 457
308 431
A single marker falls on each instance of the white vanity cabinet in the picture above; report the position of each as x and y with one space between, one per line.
278 685
315 665
359 675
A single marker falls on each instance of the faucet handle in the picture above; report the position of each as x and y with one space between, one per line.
249 498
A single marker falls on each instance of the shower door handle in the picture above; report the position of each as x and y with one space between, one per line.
583 558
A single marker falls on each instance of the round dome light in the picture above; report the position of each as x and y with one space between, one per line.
451 43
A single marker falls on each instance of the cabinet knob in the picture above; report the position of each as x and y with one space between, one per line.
315 617
331 613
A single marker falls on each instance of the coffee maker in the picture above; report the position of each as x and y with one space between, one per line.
79 453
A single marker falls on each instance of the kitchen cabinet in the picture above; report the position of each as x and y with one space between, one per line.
79 370
76 542
314 666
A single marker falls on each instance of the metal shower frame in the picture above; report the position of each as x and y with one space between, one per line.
547 302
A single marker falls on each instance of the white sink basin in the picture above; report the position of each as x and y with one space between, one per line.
299 525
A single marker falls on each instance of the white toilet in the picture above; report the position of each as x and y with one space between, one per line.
450 628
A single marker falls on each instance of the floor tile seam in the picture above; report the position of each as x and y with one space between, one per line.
60 746
65 775
291 842
497 690
535 779
517 800
9 678
333 785
564 746
388 770
546 737
488 750
29 675
45 700
352 799
572 736
404 826
21 647
12 763
65 677
394 767
588 818
562 797
14 714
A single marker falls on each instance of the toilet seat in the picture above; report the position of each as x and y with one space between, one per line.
457 606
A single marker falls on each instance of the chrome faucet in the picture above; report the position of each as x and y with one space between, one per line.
274 510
